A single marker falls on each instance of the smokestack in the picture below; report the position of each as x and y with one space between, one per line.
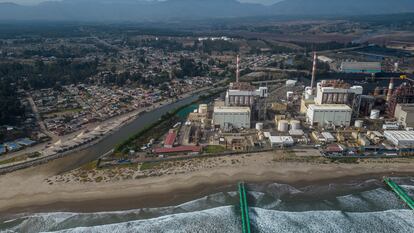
313 70
237 69
390 89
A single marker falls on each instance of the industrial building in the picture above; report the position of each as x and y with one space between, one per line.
325 59
404 113
231 117
170 139
361 67
329 114
243 94
281 141
404 94
336 92
400 138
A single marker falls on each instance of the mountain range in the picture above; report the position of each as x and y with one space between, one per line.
141 10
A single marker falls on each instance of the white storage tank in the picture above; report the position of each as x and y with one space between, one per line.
295 124
283 126
259 126
359 123
375 114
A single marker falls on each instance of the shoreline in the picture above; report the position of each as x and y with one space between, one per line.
164 191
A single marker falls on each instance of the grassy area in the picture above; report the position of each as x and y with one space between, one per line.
345 160
149 165
214 149
12 160
89 166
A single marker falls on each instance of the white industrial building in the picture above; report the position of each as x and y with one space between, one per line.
404 113
329 114
328 137
400 138
336 92
325 59
243 94
231 117
280 141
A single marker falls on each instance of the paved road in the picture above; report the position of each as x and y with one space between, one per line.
40 121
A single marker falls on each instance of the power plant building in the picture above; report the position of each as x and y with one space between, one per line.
231 117
243 94
336 92
329 114
361 67
404 113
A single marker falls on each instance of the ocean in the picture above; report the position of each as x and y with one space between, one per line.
349 206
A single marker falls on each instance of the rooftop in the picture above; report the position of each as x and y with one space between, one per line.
329 106
407 107
361 65
400 135
232 109
170 139
281 139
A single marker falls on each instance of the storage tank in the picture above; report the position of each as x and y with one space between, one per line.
259 126
375 114
283 126
295 124
359 123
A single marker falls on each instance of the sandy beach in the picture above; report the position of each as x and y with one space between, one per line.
45 188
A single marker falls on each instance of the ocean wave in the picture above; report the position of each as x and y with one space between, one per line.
331 206
221 219
398 221
225 219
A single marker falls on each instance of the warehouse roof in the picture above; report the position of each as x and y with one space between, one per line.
400 135
170 139
329 107
281 140
361 65
407 107
232 109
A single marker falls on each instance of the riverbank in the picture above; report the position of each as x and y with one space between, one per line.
112 128
28 193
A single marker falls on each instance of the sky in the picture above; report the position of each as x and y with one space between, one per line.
34 2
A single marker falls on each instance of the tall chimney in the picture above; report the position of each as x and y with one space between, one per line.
237 69
313 70
390 89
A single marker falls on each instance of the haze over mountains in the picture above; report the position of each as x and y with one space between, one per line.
139 10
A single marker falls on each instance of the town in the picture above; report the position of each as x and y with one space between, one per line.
343 102
223 116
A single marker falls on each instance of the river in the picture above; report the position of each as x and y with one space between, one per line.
91 153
